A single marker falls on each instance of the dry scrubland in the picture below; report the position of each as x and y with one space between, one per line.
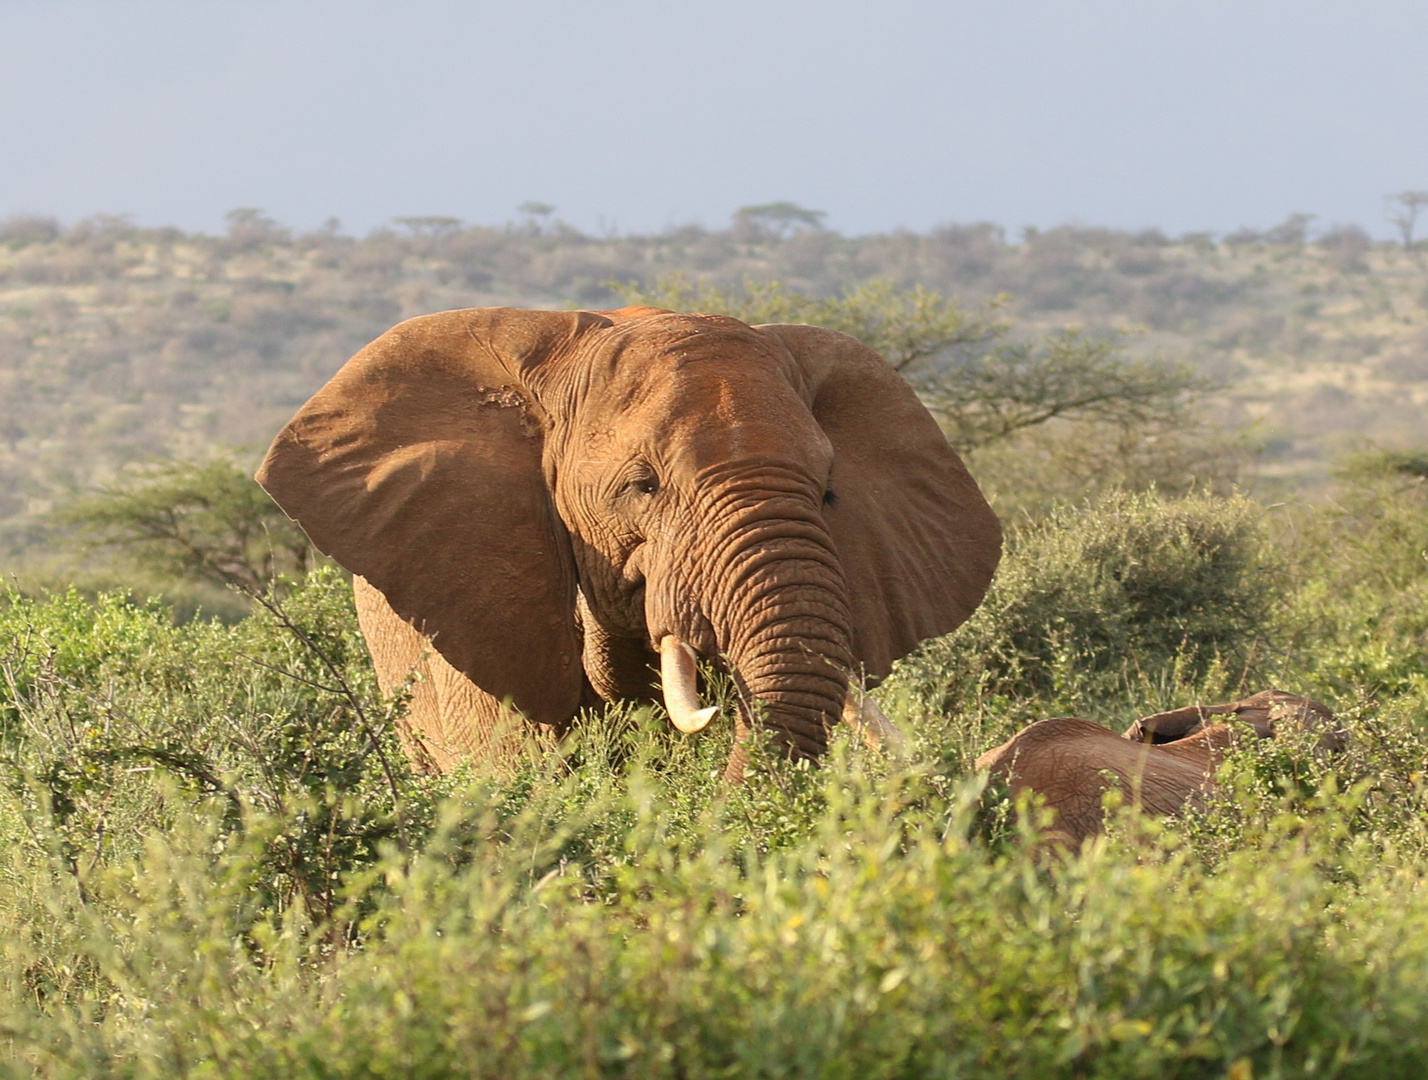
118 343
216 863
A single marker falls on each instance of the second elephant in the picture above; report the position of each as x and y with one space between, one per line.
1163 763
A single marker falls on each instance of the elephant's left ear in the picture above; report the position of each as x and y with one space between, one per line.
917 540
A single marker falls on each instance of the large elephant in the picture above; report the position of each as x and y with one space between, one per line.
557 501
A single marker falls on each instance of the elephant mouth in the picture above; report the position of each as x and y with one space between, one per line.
783 645
679 683
679 655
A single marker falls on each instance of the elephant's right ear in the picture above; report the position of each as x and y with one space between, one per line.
418 466
917 540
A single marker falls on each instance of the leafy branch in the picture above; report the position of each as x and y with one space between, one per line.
205 520
1070 375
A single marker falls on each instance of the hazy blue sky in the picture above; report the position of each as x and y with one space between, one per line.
634 115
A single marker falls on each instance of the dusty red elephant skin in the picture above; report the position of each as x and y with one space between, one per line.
545 507
1071 763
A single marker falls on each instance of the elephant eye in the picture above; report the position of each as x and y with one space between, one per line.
829 498
646 483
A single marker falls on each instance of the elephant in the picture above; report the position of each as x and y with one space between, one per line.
1163 763
540 507
1263 711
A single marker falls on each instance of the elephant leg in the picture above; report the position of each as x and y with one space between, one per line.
449 718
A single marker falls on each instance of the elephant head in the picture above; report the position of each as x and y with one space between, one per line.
555 499
1263 711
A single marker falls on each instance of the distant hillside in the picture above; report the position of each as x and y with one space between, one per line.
119 343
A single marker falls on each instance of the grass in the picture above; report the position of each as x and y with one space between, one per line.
216 863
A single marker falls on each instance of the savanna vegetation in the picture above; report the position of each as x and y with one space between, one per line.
120 343
218 862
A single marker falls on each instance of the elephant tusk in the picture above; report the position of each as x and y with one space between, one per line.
677 673
869 721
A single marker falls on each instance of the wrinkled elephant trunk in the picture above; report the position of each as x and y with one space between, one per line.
780 611
795 693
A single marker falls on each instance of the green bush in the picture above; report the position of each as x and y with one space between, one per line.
216 862
1131 588
117 723
1360 608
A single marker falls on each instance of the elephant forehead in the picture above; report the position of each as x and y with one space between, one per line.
725 393
693 389
709 415
656 348
673 390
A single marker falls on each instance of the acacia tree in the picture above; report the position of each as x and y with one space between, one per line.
204 520
776 219
983 381
1412 204
1019 384
435 226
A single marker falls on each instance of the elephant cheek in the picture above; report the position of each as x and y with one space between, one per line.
672 606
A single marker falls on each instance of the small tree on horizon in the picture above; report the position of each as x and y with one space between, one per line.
1412 204
777 219
433 225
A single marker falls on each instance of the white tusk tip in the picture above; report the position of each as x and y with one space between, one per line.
695 721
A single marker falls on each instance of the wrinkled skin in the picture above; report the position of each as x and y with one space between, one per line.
532 502
1162 763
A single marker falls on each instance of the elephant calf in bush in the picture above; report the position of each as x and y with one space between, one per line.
1162 762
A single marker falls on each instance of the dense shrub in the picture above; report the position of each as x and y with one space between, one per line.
117 723
1129 588
1361 601
212 868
